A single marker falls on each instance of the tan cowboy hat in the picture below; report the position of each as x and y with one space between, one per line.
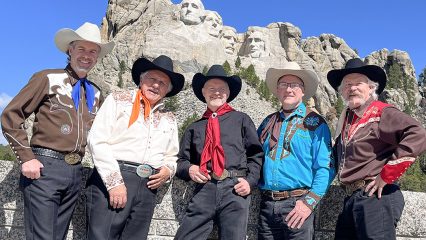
309 78
87 32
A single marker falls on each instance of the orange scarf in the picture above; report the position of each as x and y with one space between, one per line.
137 105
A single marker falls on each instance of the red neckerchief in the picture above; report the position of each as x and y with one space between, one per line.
213 149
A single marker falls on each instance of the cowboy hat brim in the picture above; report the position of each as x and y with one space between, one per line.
65 36
373 72
142 65
309 78
234 84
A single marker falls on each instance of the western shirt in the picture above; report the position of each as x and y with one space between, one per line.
57 124
152 141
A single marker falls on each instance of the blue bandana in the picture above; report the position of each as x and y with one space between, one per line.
90 93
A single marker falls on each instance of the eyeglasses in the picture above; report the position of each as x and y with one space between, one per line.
293 86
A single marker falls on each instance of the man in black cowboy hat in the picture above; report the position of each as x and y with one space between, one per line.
221 153
64 103
375 145
134 143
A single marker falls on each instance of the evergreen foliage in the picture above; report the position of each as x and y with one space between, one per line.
414 179
238 62
399 81
171 103
6 153
194 117
227 67
120 74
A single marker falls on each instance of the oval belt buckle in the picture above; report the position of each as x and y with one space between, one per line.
144 171
72 158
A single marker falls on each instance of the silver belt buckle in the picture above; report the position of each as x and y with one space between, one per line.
144 171
72 158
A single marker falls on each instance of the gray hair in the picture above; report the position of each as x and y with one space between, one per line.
143 74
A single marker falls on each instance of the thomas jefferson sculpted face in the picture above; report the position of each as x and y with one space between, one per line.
191 12
213 23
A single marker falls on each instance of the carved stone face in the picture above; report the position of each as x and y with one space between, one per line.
213 23
256 44
229 39
191 12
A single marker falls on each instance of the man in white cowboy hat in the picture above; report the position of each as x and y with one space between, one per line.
297 168
375 145
64 103
221 153
134 143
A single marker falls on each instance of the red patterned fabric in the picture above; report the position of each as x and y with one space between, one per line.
394 169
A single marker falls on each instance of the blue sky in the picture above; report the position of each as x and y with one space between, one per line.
29 27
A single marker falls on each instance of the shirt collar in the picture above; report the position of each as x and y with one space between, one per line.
73 75
299 111
158 106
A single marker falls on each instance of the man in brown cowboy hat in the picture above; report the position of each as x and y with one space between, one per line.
134 142
375 145
64 103
297 166
221 153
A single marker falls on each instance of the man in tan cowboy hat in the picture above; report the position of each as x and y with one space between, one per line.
134 142
375 145
221 153
64 103
297 166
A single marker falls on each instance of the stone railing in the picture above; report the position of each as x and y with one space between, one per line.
172 200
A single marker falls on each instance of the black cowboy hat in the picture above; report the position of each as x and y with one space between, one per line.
162 63
216 71
356 65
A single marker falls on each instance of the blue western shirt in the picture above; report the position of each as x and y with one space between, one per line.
301 157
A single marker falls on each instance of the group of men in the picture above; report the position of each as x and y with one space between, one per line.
135 148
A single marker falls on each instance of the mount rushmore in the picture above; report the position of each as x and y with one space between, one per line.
196 38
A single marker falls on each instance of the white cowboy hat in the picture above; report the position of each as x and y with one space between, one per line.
87 32
309 78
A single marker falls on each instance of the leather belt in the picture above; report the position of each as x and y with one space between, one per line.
142 170
350 188
281 195
229 174
70 158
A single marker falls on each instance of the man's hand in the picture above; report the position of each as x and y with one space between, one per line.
159 179
197 176
242 188
298 215
118 196
376 185
31 168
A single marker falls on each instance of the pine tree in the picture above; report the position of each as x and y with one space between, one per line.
238 62
121 71
227 68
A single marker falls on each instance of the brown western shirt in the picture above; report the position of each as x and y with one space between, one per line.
57 124
385 141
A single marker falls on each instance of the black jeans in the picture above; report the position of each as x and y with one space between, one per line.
366 217
215 202
49 201
130 222
272 224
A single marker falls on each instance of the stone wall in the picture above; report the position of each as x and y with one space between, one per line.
172 201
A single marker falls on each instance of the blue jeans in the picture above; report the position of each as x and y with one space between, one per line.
272 224
365 217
